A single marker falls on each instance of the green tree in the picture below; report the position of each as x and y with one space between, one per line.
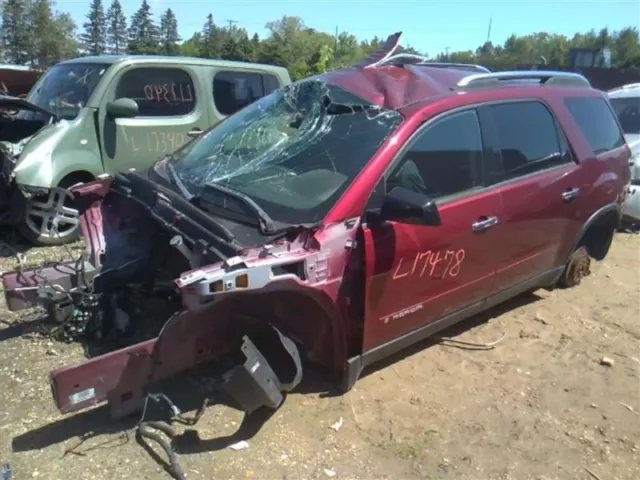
67 46
255 47
212 39
237 46
116 28
626 48
270 53
169 38
191 46
553 49
15 31
42 46
94 38
143 32
322 60
348 52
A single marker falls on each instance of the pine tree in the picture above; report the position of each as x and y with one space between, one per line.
67 45
255 47
43 50
143 32
206 48
169 37
94 37
116 28
15 31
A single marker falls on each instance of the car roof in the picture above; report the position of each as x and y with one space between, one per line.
410 83
626 91
176 60
395 87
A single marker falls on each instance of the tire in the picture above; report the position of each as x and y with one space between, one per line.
47 237
576 269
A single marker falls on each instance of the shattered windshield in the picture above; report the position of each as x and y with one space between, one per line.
293 152
64 89
628 112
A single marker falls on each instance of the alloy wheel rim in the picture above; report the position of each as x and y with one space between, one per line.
53 216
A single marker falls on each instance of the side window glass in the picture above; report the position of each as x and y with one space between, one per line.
233 91
445 159
160 92
627 109
597 122
528 138
271 83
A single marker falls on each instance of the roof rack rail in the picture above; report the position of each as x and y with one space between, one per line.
548 78
463 66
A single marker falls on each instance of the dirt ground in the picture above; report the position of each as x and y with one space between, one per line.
540 405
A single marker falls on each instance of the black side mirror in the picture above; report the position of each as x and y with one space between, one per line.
405 206
122 108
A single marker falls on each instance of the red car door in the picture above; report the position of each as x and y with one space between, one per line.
418 274
540 188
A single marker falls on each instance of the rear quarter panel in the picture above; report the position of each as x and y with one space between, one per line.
602 177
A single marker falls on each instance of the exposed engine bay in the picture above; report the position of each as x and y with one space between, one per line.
137 249
144 240
152 243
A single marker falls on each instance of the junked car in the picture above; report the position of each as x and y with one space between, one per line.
350 214
626 104
106 114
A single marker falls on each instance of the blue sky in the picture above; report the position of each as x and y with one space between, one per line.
427 25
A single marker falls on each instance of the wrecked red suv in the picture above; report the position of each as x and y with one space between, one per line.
347 215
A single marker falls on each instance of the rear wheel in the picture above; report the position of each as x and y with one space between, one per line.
52 219
578 267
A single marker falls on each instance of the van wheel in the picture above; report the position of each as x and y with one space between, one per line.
52 219
577 268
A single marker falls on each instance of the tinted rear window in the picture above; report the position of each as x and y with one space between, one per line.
597 121
529 138
233 90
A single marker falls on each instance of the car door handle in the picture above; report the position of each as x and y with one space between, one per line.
485 223
569 195
194 132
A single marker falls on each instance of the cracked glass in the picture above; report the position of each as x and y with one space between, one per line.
293 152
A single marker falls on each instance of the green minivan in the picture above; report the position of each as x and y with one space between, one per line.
106 114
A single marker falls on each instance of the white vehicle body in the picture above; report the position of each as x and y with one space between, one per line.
626 104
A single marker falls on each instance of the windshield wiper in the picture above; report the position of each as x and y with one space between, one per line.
184 191
265 221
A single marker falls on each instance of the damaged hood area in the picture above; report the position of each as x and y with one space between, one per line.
242 207
255 188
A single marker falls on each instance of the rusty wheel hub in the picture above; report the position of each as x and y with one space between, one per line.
580 265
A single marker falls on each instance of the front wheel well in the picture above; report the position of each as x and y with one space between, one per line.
599 235
79 176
